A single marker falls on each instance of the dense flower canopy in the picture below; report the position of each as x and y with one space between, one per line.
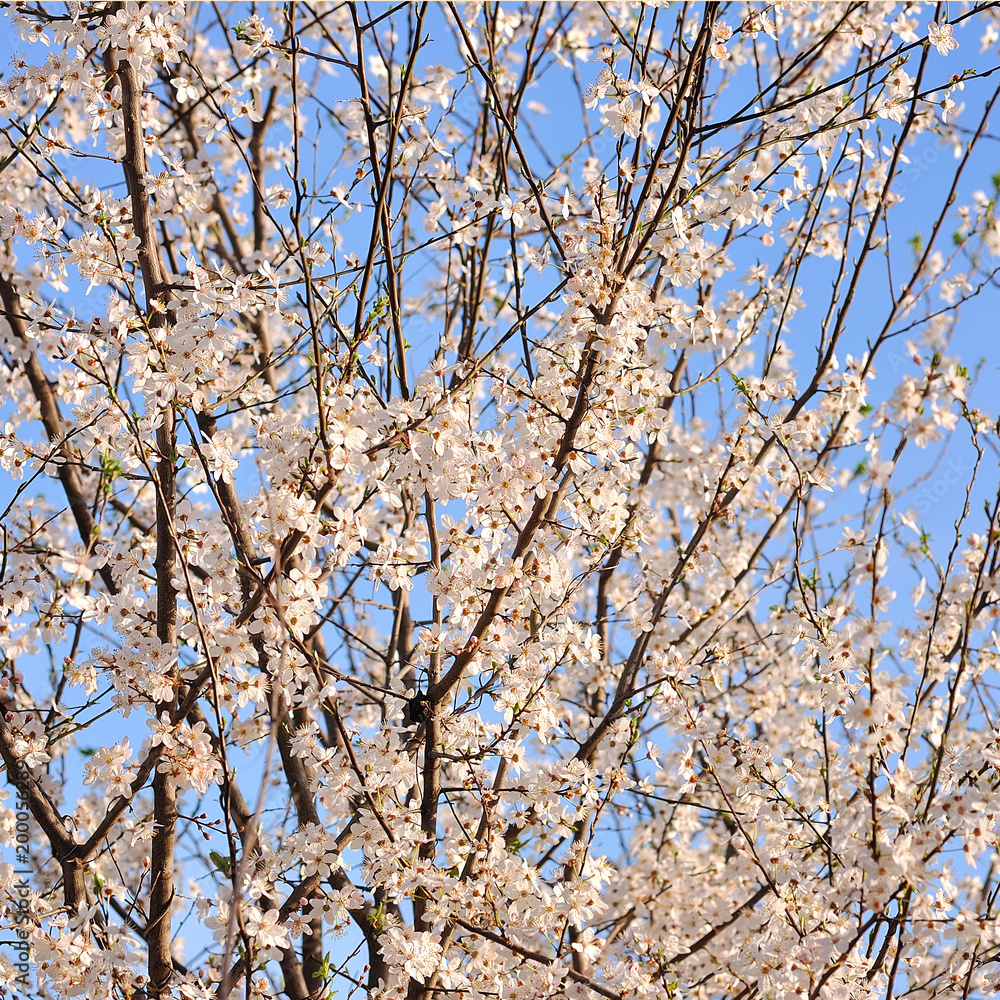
491 511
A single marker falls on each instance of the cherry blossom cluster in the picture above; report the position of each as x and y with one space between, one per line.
501 500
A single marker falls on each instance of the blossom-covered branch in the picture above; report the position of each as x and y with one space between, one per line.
501 500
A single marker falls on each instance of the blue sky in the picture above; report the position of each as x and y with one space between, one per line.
925 182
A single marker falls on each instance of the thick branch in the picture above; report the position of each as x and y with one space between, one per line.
70 467
64 848
154 278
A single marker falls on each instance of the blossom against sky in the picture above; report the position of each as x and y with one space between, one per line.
511 483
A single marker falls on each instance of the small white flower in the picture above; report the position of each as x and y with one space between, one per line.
186 90
512 211
942 37
623 118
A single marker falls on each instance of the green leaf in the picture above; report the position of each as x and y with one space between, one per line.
221 863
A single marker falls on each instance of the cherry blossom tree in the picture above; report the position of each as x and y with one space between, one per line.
495 505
